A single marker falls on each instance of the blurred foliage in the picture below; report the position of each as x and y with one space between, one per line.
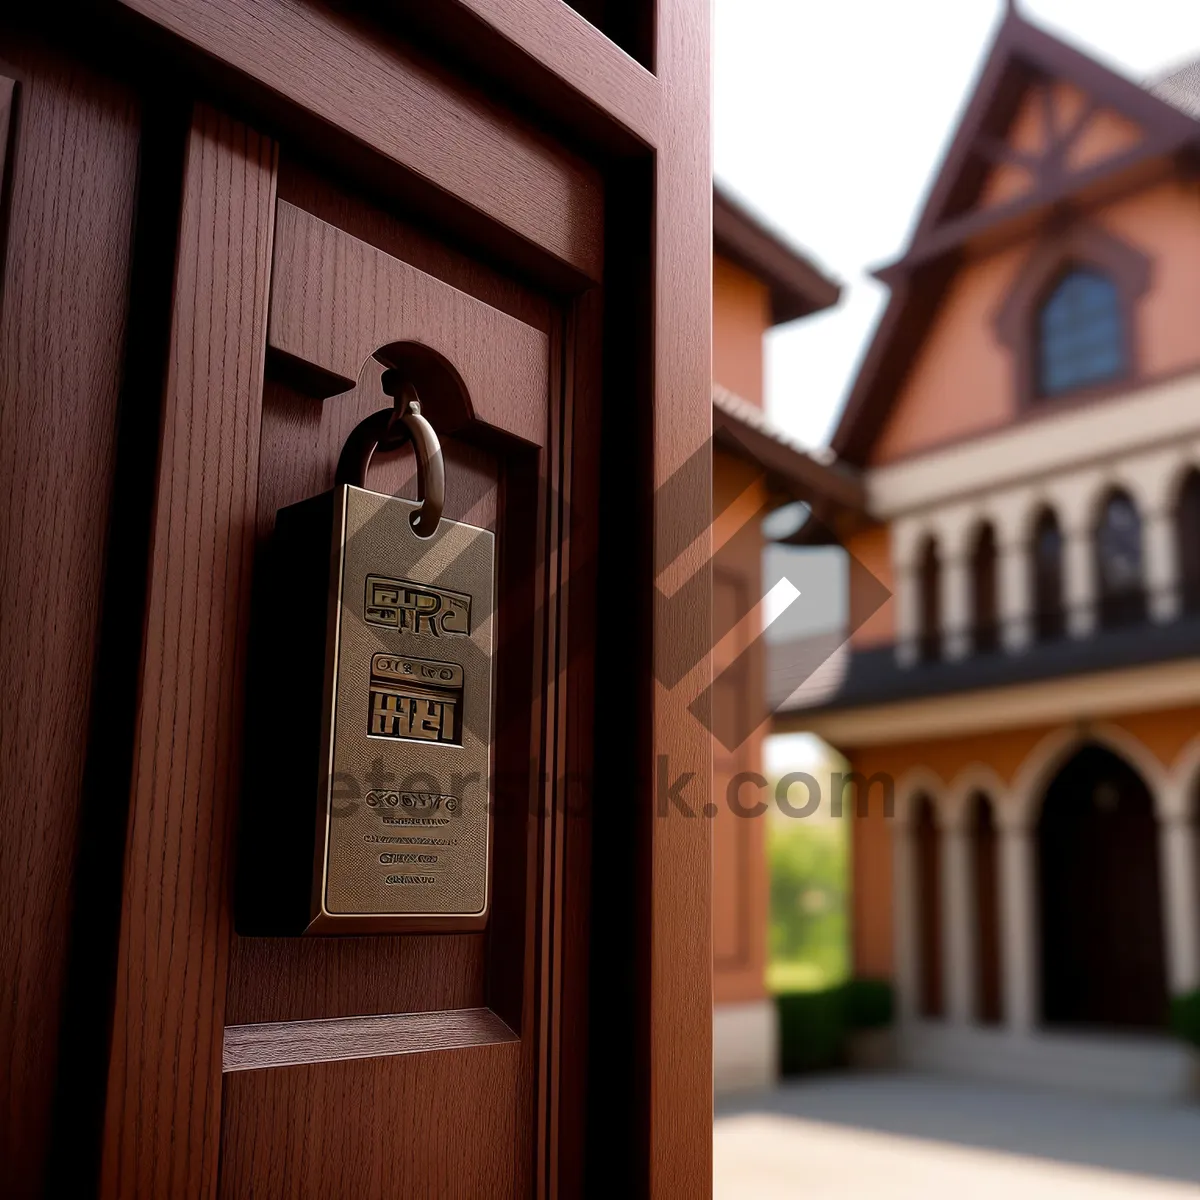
807 947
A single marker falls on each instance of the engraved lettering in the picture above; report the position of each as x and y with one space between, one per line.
417 608
414 699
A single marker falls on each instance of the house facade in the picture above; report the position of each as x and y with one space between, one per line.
759 281
1024 711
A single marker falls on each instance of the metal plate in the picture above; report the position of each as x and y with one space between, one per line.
403 835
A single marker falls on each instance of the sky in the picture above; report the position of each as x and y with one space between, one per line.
830 117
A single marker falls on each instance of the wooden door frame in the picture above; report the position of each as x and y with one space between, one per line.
567 224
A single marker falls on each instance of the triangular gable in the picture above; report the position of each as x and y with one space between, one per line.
1044 125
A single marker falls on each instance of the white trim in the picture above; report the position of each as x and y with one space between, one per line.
745 1046
1161 417
1185 773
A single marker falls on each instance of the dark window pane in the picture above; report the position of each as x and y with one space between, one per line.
1080 340
1119 561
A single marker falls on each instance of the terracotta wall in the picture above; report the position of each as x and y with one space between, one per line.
872 550
740 885
1164 733
741 317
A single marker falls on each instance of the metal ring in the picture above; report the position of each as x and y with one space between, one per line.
388 429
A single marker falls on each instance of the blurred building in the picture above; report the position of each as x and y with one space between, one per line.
759 281
1027 426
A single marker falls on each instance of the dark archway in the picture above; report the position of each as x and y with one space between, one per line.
1187 533
1118 548
1047 577
930 611
928 909
985 849
985 630
1103 961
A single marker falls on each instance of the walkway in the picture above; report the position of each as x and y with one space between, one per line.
899 1136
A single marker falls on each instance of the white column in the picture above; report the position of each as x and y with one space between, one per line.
956 605
1079 582
908 613
1018 925
904 915
958 957
1177 855
1016 596
1161 565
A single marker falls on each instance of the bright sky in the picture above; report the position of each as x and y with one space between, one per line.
830 116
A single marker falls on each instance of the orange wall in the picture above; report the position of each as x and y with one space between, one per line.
872 549
961 382
741 316
1163 733
740 883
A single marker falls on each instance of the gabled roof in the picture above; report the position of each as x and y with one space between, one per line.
797 286
1021 56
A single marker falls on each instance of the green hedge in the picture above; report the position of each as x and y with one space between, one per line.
1185 1017
814 1026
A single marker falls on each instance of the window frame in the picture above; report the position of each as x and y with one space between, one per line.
1075 245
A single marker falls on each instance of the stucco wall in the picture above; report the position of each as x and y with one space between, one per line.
740 885
872 549
741 316
1163 733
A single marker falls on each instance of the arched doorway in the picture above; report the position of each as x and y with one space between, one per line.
928 909
986 912
1102 955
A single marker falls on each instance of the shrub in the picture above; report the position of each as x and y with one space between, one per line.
869 1004
812 1030
1185 1016
814 1026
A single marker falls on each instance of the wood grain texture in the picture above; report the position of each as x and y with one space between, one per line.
335 300
292 1043
439 1124
62 332
163 1110
351 76
554 39
680 980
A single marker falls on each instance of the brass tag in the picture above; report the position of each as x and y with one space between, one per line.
403 827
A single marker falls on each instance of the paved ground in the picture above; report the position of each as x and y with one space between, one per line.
908 1137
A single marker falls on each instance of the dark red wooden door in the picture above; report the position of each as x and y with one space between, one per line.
222 219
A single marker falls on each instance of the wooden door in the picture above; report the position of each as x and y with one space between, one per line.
289 195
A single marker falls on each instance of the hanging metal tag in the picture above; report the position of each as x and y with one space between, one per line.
403 831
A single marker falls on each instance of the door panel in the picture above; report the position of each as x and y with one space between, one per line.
64 132
192 305
433 1124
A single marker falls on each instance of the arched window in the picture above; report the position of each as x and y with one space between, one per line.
929 582
1047 577
1119 562
1187 532
1080 333
985 632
